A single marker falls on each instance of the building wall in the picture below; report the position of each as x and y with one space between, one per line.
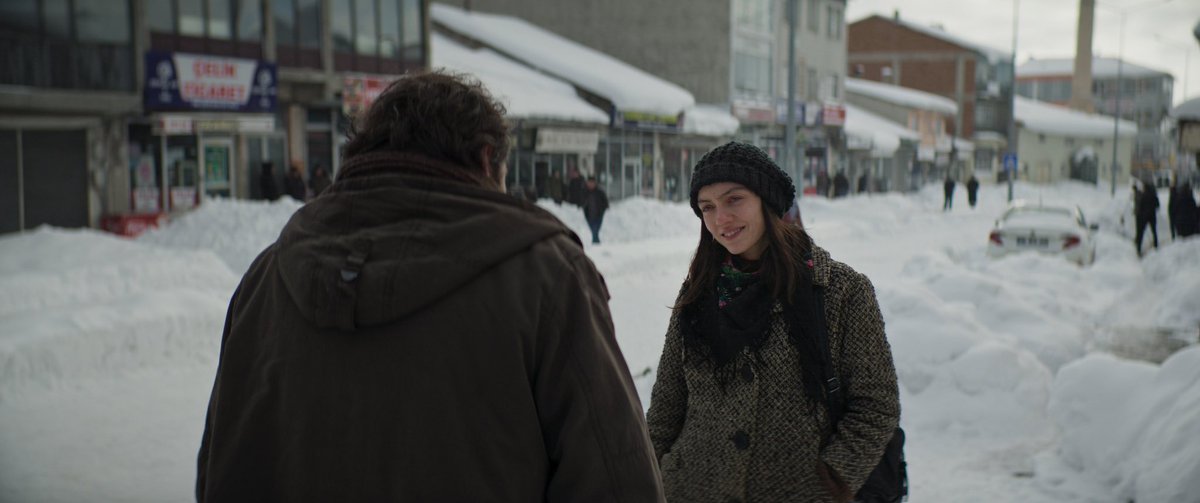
696 55
883 50
1144 99
1045 158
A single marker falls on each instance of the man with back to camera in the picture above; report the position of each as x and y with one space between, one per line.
417 335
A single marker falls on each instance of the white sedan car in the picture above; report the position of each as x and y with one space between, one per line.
1046 229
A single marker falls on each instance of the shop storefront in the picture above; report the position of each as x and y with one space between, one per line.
208 132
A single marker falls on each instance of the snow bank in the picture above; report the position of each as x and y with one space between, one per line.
236 230
1053 119
77 305
1123 424
631 219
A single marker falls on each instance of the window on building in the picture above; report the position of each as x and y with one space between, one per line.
812 88
814 16
80 44
297 32
377 36
834 22
834 80
752 74
308 23
219 27
754 15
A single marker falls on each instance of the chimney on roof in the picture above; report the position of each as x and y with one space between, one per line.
1081 79
896 14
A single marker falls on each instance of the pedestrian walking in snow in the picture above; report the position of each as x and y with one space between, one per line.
862 183
574 186
972 190
948 188
738 410
319 181
1172 207
1187 217
293 182
841 185
422 336
554 187
266 182
595 204
1146 212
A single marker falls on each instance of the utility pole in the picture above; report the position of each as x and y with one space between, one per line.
789 135
1012 104
1117 114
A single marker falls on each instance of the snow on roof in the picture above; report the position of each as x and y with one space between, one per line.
1053 119
1101 67
709 120
902 96
883 134
994 55
1189 109
525 92
627 87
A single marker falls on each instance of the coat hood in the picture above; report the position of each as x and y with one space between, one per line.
396 234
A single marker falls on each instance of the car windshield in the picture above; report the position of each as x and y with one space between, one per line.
1040 217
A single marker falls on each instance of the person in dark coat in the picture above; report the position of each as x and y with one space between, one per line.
1187 217
319 181
841 185
948 189
862 183
421 336
972 190
1146 211
595 203
575 186
737 412
266 182
554 187
293 182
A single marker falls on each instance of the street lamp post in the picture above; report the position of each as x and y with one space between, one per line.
1117 115
1012 104
789 135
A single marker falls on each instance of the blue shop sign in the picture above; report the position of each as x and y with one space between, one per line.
179 81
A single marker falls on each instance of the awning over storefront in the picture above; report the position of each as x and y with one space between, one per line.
525 92
871 131
638 97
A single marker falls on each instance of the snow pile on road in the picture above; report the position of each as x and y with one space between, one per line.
80 304
236 230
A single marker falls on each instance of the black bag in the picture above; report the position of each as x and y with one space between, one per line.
888 482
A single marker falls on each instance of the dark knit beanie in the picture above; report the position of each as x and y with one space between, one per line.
747 165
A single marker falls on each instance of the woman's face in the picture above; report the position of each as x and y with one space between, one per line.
733 215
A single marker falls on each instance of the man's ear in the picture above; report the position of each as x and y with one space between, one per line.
485 160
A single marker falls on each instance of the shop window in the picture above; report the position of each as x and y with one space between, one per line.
377 36
82 44
217 27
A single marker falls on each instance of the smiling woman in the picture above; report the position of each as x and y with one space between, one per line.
764 322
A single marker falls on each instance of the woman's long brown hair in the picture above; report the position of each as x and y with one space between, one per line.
781 262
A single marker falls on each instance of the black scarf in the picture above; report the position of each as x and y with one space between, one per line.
719 334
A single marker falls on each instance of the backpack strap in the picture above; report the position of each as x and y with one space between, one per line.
834 395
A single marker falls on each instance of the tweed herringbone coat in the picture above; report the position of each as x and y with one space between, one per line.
759 439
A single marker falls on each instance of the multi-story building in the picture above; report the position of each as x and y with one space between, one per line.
977 78
729 53
1143 96
120 107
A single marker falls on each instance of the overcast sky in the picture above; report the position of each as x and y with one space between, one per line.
1158 33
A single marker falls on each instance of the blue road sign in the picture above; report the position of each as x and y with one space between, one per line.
1010 162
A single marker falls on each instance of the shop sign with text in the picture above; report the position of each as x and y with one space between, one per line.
179 81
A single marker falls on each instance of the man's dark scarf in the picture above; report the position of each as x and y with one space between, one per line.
719 335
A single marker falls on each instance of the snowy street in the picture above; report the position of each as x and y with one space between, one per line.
1023 379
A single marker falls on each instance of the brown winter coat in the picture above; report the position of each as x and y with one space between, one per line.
410 338
697 429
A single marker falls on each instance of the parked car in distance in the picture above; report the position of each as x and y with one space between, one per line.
1053 230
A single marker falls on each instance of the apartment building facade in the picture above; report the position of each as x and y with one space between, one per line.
978 79
1141 95
112 109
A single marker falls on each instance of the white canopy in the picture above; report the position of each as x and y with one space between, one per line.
525 92
629 88
883 135
902 96
1053 119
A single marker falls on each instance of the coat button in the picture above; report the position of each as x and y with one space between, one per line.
741 440
747 373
